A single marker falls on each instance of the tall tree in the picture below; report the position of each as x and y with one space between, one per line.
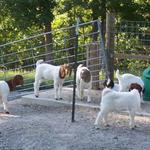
27 13
73 9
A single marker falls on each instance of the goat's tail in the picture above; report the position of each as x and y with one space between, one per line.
118 75
39 62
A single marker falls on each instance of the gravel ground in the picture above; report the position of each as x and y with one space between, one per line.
34 127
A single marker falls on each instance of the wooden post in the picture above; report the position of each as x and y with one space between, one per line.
110 36
48 44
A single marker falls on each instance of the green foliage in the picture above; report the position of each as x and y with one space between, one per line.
30 12
132 41
22 18
126 43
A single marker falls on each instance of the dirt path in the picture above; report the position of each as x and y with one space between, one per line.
49 128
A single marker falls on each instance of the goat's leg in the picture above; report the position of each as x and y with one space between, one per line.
99 119
102 115
105 118
60 90
5 104
131 123
89 94
36 87
78 89
81 91
56 86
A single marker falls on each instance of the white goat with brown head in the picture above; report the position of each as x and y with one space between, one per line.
83 81
6 87
51 72
113 101
125 80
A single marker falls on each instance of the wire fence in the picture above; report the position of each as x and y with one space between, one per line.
132 46
132 52
19 57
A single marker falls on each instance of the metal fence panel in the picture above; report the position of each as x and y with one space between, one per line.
19 57
132 49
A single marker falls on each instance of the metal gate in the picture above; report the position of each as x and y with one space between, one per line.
19 57
132 46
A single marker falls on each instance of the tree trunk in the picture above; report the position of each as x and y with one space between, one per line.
103 18
110 36
48 44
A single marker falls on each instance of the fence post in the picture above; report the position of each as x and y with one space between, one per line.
104 64
75 69
48 44
110 36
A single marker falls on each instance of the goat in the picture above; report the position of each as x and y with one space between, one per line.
83 81
118 101
4 92
6 87
110 84
126 80
51 72
15 81
136 86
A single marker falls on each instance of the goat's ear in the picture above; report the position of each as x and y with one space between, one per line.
69 69
112 83
62 72
143 90
131 88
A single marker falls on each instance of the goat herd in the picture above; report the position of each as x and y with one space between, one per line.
126 95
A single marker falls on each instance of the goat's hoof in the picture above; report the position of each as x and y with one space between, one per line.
56 98
96 126
135 126
60 98
132 128
36 96
107 125
7 112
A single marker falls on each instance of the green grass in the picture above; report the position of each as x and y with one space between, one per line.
29 79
